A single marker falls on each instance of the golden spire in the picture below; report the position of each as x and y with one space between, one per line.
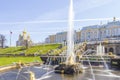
24 32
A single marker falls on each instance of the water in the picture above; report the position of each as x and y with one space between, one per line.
101 52
91 69
43 74
70 36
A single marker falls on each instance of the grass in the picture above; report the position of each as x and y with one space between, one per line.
10 50
10 60
40 49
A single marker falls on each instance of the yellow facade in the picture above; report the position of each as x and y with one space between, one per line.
52 38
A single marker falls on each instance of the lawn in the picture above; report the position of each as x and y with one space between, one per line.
11 50
12 60
40 49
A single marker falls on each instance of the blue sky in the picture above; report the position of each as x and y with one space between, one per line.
34 16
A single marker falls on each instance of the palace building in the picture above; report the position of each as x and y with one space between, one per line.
111 30
61 37
24 39
108 34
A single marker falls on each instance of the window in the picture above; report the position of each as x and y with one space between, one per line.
111 50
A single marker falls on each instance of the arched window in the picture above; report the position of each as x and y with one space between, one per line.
111 50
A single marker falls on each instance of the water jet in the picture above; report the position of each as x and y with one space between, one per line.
70 66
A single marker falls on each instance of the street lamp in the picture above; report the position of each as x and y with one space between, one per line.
64 42
10 37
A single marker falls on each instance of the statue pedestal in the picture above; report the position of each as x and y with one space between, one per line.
69 69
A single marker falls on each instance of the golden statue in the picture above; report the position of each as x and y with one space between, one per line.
32 76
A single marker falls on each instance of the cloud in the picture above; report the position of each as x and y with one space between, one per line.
58 16
61 15
84 5
7 32
79 6
59 21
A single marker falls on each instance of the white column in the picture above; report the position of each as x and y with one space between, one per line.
103 52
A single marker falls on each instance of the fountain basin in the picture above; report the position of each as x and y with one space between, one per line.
115 63
68 69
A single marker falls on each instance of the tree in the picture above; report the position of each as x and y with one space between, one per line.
2 40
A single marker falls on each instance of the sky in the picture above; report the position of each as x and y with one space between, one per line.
41 18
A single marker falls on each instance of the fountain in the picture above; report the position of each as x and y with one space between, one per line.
70 66
101 53
100 50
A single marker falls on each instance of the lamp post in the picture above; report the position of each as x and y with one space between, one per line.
64 42
10 37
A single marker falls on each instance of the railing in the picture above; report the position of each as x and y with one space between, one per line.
94 58
107 41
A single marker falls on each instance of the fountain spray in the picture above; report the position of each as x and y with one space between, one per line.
70 36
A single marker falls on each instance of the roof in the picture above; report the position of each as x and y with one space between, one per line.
91 27
109 24
114 23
